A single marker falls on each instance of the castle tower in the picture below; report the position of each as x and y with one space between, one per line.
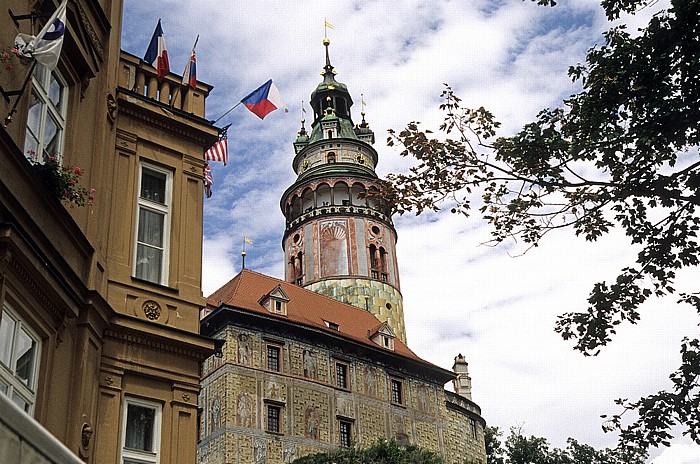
337 242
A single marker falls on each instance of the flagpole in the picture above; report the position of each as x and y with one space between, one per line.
232 108
18 94
243 254
177 89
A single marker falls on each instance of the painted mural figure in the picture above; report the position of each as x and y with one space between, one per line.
244 410
309 364
273 391
289 452
311 423
423 398
244 349
371 382
260 452
215 414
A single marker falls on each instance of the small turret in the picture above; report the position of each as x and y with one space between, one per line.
463 383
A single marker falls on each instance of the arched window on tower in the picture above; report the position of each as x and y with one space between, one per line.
357 191
341 194
375 261
382 264
307 200
297 269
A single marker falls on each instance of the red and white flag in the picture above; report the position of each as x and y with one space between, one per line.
219 151
156 54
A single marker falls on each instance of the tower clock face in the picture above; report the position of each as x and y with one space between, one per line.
305 165
360 159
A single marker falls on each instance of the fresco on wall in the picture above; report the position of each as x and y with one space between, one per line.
334 248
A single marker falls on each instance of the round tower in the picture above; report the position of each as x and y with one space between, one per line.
338 242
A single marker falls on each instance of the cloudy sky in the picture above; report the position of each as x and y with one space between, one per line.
493 305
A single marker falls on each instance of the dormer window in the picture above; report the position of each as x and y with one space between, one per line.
275 301
383 336
332 325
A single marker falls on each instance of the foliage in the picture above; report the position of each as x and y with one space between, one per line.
62 181
623 152
520 449
380 452
9 57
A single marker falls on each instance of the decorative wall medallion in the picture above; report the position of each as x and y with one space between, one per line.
86 441
111 108
151 309
186 397
109 380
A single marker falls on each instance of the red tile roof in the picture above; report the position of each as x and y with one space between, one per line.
304 307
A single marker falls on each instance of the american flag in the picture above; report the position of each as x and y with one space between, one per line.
208 180
219 151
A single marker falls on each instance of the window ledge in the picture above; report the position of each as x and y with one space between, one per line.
154 284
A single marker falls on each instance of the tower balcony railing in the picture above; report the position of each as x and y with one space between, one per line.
338 209
142 79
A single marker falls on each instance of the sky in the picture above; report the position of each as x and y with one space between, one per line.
495 305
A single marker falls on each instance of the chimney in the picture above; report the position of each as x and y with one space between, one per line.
463 383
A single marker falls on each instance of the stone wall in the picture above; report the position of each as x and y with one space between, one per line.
236 390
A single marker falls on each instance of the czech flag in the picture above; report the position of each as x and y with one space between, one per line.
264 100
157 55
189 76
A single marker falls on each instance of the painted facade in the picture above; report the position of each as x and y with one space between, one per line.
333 379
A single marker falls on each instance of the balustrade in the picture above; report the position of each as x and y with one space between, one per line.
142 79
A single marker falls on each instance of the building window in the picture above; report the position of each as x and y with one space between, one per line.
141 432
19 359
341 375
345 433
396 391
472 426
273 358
273 418
153 224
46 119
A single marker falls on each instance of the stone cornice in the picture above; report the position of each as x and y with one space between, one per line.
159 337
156 114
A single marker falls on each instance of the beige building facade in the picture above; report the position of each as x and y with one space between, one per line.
99 330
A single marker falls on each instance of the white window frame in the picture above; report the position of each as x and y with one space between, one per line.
41 80
17 389
165 209
399 382
129 455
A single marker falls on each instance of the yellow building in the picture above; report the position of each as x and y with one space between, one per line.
99 330
320 360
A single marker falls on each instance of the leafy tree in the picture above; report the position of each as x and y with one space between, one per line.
520 449
623 152
380 452
494 447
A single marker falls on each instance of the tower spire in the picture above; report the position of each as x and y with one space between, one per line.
339 241
328 70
